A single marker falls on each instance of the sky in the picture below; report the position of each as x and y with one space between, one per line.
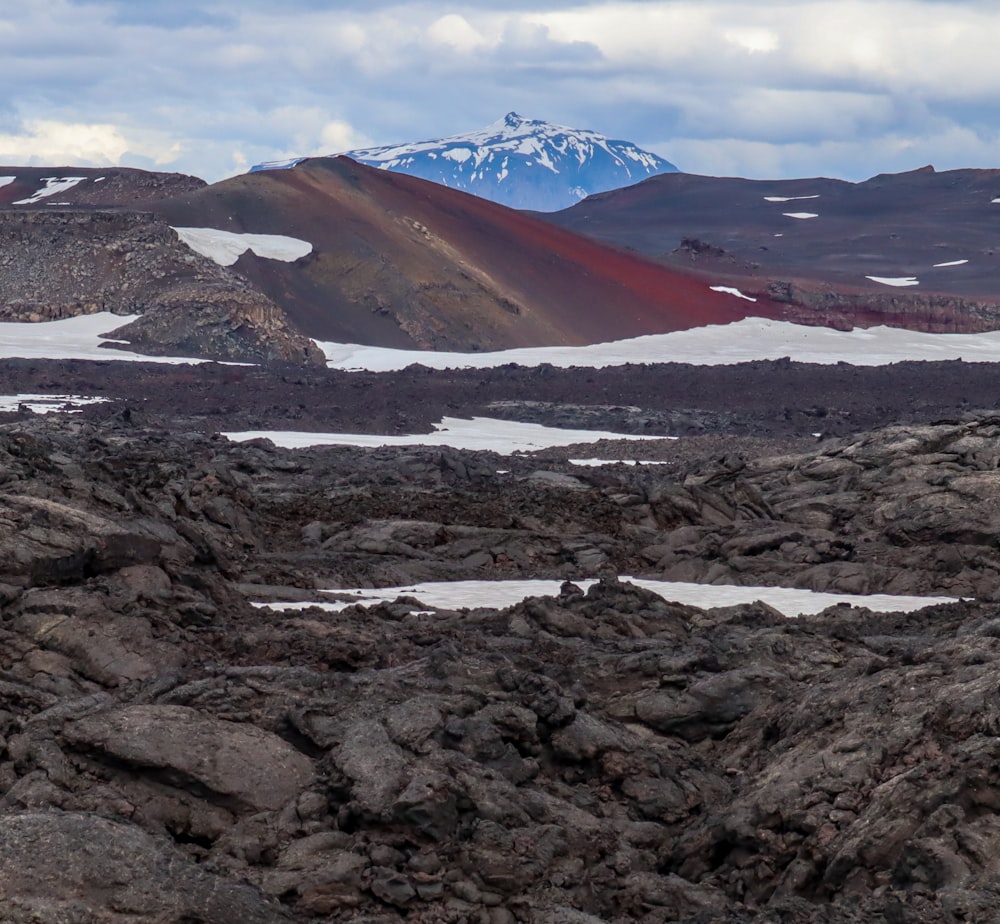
739 88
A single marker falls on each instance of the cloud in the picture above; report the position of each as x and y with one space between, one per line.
44 141
455 32
816 85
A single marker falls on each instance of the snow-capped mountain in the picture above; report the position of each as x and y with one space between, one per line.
523 163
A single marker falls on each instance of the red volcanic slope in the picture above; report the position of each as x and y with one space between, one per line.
400 261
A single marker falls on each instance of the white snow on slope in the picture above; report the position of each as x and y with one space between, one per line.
895 280
53 185
719 344
731 291
788 198
951 263
503 436
457 594
800 215
513 134
72 338
226 247
46 404
7 180
599 463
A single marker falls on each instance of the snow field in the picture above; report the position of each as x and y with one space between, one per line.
720 344
226 247
46 404
502 436
53 185
498 594
73 338
895 280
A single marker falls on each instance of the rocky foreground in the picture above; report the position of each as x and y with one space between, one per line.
172 753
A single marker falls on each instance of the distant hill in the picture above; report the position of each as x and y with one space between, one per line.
916 249
522 163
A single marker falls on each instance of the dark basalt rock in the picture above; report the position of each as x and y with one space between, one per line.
171 753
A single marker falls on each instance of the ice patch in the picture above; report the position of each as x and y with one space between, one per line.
743 341
731 291
597 463
499 594
459 155
951 263
72 338
895 280
46 404
802 215
788 198
226 247
503 436
53 185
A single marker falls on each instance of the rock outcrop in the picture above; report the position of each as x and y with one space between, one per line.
170 753
57 263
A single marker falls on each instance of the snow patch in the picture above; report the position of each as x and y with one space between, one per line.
226 247
459 155
503 436
597 463
72 338
499 594
951 263
731 291
748 340
801 215
895 280
53 185
7 180
788 198
46 404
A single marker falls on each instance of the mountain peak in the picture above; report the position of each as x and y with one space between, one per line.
513 120
519 162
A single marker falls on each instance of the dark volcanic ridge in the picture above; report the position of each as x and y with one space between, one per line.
812 243
772 400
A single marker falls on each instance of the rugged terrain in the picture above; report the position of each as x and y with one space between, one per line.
811 244
173 754
389 260
104 250
393 260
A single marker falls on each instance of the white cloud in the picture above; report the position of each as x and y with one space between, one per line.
753 39
339 135
455 32
48 141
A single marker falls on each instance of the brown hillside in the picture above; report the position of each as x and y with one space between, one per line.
398 261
